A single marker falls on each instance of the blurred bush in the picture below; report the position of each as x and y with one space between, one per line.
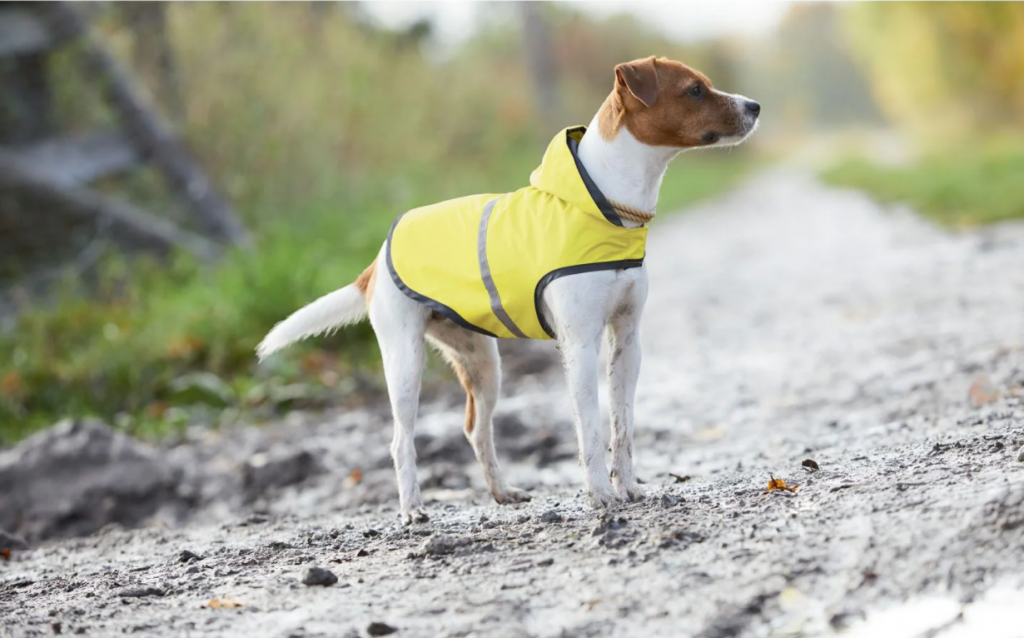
950 77
322 128
942 70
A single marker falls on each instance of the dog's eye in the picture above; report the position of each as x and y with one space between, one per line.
696 91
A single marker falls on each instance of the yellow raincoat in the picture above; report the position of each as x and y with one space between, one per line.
483 261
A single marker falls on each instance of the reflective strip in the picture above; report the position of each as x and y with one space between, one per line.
485 273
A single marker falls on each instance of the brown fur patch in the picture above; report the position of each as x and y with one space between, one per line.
675 118
467 384
366 279
609 116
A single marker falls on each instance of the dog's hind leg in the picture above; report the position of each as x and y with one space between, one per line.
400 324
476 362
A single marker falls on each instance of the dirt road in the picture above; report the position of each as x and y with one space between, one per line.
786 322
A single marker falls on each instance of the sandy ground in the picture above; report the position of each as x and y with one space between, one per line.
786 322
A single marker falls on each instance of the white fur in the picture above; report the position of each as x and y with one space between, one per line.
328 313
583 310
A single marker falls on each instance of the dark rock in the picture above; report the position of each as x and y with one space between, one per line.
447 476
140 592
380 629
811 465
79 476
551 516
452 449
187 556
442 545
319 576
262 472
546 562
522 358
667 500
279 545
56 627
608 523
10 541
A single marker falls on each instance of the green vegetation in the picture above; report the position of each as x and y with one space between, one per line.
156 344
320 141
948 76
970 185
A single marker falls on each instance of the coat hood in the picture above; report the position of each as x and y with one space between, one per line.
562 174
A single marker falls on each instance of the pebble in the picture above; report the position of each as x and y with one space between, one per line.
187 556
441 545
380 629
140 592
319 576
551 516
667 500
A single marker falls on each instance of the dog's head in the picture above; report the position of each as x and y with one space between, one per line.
666 103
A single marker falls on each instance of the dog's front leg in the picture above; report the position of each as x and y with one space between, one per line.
623 370
579 355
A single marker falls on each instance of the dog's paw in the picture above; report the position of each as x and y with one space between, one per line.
511 495
415 515
631 493
603 498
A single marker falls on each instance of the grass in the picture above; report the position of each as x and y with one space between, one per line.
971 185
320 141
160 345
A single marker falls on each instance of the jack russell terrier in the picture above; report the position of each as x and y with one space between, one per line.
560 259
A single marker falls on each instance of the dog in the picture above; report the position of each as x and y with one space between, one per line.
445 275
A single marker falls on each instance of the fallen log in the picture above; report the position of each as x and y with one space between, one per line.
126 223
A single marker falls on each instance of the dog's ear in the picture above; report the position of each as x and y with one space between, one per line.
640 78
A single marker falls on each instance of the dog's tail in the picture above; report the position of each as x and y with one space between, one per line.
325 315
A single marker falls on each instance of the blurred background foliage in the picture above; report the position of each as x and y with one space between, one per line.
321 126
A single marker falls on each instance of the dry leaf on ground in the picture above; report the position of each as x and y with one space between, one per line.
779 484
983 391
223 603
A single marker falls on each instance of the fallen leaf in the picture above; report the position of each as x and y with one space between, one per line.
779 484
185 348
6 553
11 384
156 409
680 479
355 477
223 603
982 391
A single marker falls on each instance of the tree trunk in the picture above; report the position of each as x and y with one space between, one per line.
540 63
153 54
26 101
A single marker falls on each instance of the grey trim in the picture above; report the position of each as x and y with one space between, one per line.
433 304
485 273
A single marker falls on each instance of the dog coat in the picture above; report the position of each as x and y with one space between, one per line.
483 261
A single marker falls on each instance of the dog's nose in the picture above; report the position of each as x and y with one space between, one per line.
753 107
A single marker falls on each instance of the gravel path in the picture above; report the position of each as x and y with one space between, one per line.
787 322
